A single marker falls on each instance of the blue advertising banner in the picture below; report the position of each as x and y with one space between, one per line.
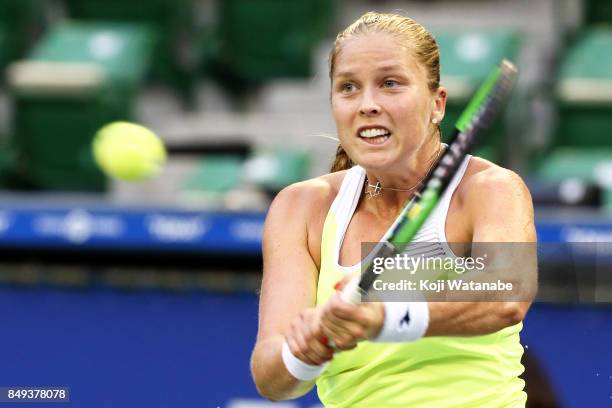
131 229
102 227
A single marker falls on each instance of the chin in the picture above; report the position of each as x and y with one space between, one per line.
375 161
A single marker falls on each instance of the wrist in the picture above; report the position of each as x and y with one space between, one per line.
378 322
403 321
298 368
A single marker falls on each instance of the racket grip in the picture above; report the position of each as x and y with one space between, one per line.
351 292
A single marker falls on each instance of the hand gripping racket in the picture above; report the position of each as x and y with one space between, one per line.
479 114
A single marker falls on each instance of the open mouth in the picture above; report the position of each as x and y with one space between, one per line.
374 135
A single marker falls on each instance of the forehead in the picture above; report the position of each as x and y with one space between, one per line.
371 52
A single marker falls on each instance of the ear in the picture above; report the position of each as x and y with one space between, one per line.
439 105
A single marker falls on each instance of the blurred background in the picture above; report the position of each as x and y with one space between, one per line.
145 294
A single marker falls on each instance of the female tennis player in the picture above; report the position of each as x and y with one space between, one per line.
387 102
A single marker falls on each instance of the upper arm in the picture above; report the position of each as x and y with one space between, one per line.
501 214
289 272
500 207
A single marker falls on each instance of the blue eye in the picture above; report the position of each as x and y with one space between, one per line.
347 87
390 83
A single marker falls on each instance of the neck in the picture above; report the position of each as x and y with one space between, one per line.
396 187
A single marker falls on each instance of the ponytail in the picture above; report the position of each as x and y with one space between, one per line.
341 161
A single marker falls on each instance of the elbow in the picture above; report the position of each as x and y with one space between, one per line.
265 392
264 389
269 379
513 313
264 384
270 393
261 383
275 390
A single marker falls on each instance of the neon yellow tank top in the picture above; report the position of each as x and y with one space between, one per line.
433 372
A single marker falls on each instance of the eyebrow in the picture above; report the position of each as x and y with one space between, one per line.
384 68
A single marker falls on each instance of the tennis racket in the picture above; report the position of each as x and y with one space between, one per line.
479 114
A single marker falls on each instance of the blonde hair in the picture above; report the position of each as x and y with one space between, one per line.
416 38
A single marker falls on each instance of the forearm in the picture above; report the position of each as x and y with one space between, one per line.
473 318
475 311
271 377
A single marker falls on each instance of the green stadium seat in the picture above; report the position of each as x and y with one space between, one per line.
78 78
584 92
582 139
272 170
231 182
214 178
266 39
216 174
173 23
590 165
467 57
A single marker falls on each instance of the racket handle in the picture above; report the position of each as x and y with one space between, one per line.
351 292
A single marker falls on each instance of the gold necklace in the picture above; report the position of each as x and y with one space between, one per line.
374 190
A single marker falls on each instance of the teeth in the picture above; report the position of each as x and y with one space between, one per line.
377 139
373 132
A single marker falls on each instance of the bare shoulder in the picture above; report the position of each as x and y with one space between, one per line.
298 213
302 207
309 197
496 204
484 179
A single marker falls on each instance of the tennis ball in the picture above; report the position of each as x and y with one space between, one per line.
128 151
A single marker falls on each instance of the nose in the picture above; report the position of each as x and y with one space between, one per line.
369 106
